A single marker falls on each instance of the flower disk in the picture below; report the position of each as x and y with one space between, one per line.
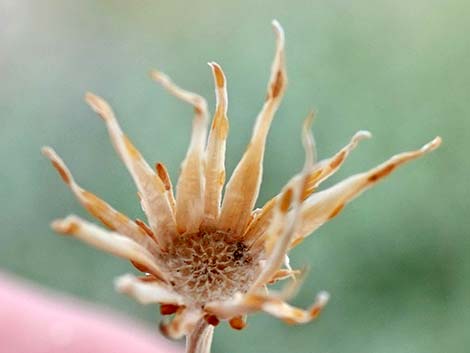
209 266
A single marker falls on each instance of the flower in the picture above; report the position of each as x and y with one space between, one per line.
206 259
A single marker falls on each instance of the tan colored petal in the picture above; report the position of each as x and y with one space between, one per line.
251 302
261 218
325 205
320 171
151 188
147 292
162 173
184 321
215 151
228 309
190 187
293 315
327 167
98 208
110 242
284 224
242 189
278 236
283 274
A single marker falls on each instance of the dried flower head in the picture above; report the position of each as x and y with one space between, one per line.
205 259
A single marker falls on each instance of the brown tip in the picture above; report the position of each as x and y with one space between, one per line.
431 146
382 173
314 312
286 201
57 164
336 211
163 327
168 309
148 278
277 85
218 74
65 177
237 323
162 173
140 267
65 226
145 228
212 320
338 160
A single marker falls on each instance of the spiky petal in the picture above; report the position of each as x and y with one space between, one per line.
243 187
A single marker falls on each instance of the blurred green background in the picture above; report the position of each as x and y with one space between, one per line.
396 261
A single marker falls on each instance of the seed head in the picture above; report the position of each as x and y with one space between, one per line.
205 258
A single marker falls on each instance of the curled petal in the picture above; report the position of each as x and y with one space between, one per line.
308 142
111 242
151 188
215 151
111 218
183 323
243 187
147 292
283 274
260 222
262 219
162 173
237 306
190 187
325 168
284 224
319 172
325 205
294 315
248 303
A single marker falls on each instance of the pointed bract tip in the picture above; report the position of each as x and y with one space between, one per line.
308 140
323 297
279 31
219 75
214 64
154 73
67 225
58 164
362 134
122 283
98 105
57 224
308 121
276 25
159 76
47 151
431 146
91 98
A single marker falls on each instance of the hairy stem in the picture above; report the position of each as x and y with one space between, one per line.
200 340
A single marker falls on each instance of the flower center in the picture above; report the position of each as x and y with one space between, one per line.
209 266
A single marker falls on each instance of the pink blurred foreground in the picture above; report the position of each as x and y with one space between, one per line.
33 320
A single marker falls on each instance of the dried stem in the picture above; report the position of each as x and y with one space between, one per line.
200 340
